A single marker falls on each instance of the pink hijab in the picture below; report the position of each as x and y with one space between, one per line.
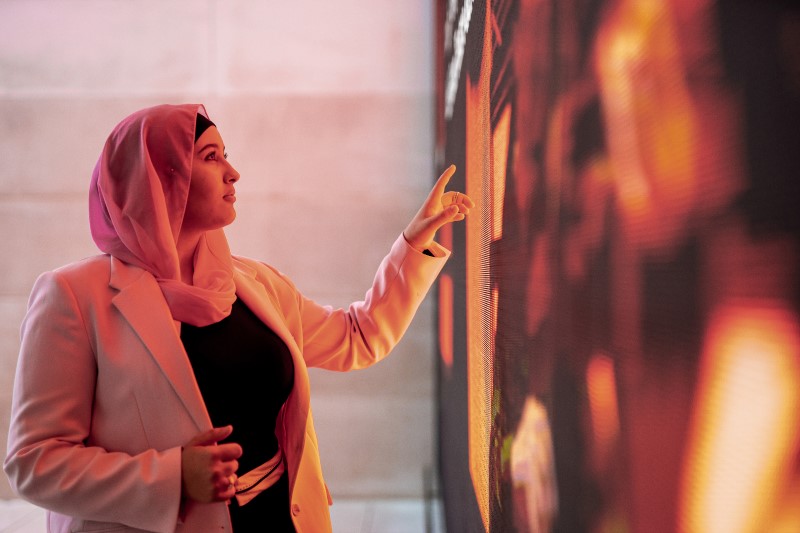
137 199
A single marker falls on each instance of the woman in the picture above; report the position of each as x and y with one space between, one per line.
162 386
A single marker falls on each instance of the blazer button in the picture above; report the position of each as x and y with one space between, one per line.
296 509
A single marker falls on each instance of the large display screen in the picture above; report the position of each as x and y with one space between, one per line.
619 325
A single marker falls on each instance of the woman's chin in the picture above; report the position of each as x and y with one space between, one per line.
228 221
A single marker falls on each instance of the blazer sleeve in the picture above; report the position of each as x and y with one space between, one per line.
48 461
365 332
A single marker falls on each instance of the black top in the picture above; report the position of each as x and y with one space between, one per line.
245 374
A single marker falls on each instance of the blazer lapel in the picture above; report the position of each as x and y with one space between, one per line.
142 304
255 296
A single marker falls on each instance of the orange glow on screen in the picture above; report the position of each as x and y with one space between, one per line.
603 408
533 469
446 320
500 140
446 236
480 348
744 438
650 120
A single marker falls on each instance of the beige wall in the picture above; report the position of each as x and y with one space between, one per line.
326 110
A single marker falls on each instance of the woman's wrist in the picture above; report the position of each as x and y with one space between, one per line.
421 248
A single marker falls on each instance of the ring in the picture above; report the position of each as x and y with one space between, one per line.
232 480
455 198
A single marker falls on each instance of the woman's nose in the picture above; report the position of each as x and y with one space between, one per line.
231 176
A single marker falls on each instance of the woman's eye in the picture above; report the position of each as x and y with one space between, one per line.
225 155
212 156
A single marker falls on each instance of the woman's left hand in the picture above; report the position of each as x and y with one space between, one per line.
440 208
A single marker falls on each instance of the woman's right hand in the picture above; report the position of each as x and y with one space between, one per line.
439 209
208 470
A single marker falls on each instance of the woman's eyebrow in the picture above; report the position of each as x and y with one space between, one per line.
210 145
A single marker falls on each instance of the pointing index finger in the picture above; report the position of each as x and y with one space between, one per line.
441 183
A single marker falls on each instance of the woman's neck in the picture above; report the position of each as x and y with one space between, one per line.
187 245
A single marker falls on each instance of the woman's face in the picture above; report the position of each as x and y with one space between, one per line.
211 192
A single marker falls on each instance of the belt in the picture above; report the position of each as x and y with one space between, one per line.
259 479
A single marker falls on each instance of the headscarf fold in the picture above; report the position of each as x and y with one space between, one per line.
137 199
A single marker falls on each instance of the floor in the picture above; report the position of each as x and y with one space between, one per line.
348 516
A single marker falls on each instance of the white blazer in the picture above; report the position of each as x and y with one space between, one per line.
105 396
